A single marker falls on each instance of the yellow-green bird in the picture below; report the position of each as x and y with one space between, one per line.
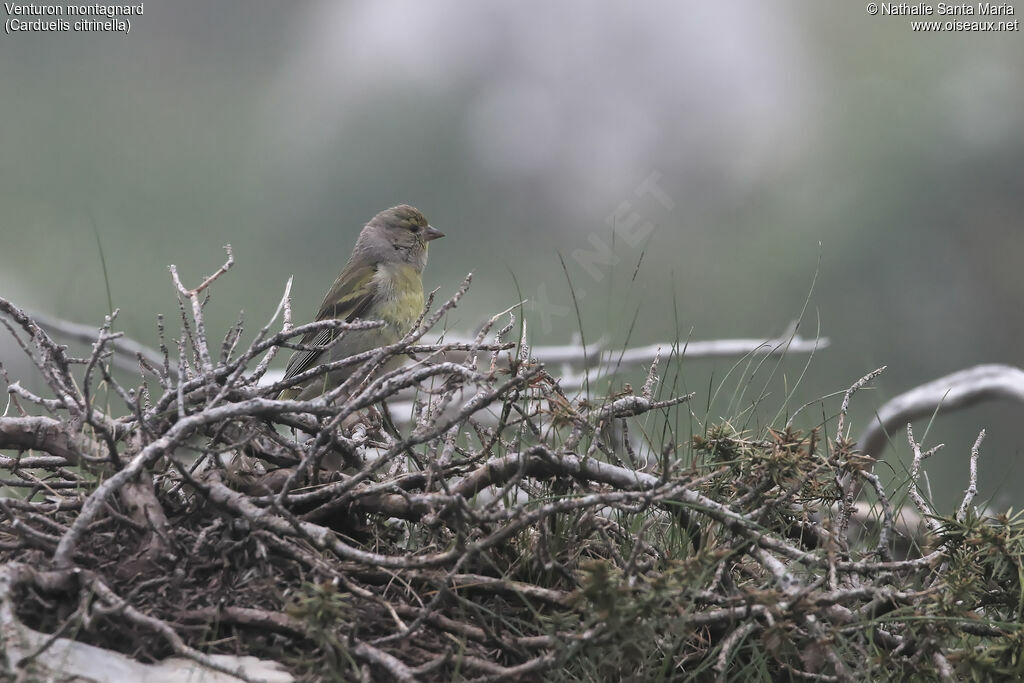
381 281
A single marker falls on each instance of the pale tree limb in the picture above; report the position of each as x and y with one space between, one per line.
960 389
126 351
52 657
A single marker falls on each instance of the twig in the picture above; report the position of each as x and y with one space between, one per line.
972 487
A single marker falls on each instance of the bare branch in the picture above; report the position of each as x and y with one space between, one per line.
972 486
960 389
126 351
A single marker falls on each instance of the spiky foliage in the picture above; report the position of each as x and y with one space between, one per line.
508 531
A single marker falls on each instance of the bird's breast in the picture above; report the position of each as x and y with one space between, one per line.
399 295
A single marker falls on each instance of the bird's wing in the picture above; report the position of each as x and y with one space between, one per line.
348 299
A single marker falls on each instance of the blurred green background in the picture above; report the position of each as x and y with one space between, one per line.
778 134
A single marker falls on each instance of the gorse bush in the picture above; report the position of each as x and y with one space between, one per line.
467 516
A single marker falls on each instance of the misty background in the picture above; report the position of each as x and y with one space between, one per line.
702 168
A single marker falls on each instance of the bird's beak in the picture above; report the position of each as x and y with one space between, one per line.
432 233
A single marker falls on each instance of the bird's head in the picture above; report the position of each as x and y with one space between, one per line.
396 235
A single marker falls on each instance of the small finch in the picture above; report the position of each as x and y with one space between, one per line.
381 281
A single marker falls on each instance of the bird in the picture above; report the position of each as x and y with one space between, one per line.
382 280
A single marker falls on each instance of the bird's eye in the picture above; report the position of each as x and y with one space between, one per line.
414 228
